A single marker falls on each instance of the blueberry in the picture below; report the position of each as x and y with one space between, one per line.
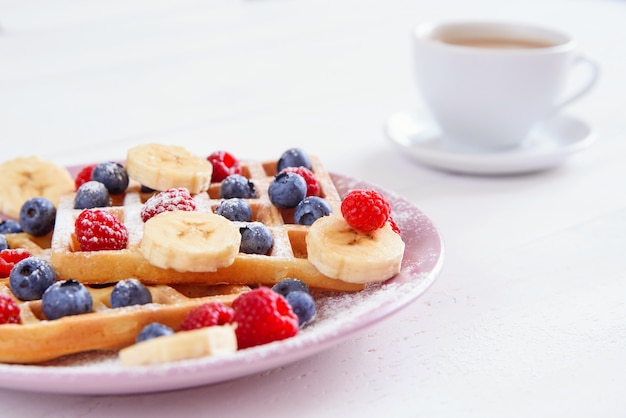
92 194
113 175
235 209
293 157
37 216
256 238
237 185
10 226
4 245
290 284
30 277
153 330
303 306
310 210
64 298
130 292
287 190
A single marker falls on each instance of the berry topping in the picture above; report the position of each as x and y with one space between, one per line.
263 316
65 298
153 330
256 238
237 185
294 157
8 259
394 226
30 278
303 306
310 210
4 245
169 200
235 209
100 230
287 190
10 226
207 315
113 175
365 210
224 164
84 175
9 311
92 194
129 292
37 216
312 186
290 285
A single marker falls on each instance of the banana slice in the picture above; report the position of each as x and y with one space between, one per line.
341 252
162 167
182 345
190 241
26 177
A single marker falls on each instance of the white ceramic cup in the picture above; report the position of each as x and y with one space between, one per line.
487 84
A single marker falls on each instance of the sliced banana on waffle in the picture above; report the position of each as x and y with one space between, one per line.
190 241
163 167
341 252
27 177
182 345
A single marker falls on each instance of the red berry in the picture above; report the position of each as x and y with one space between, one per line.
312 186
9 257
263 316
224 164
98 230
207 315
169 200
9 311
84 175
365 210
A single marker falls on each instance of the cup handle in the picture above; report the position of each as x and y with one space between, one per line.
586 86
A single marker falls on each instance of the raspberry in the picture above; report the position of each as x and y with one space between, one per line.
10 257
224 164
9 311
365 210
263 316
97 230
312 186
84 175
207 315
169 200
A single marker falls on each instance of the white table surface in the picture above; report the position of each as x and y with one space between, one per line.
528 317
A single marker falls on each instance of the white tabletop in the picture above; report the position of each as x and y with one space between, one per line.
528 316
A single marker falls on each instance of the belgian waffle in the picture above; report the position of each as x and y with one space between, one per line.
288 257
38 340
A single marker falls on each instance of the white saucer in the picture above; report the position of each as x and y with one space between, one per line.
548 145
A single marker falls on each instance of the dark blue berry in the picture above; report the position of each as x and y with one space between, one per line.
113 175
153 330
30 278
37 216
303 306
256 238
65 298
10 226
92 194
289 285
235 209
3 242
310 210
293 157
237 185
129 292
287 190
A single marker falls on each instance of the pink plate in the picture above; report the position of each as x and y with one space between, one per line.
339 316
